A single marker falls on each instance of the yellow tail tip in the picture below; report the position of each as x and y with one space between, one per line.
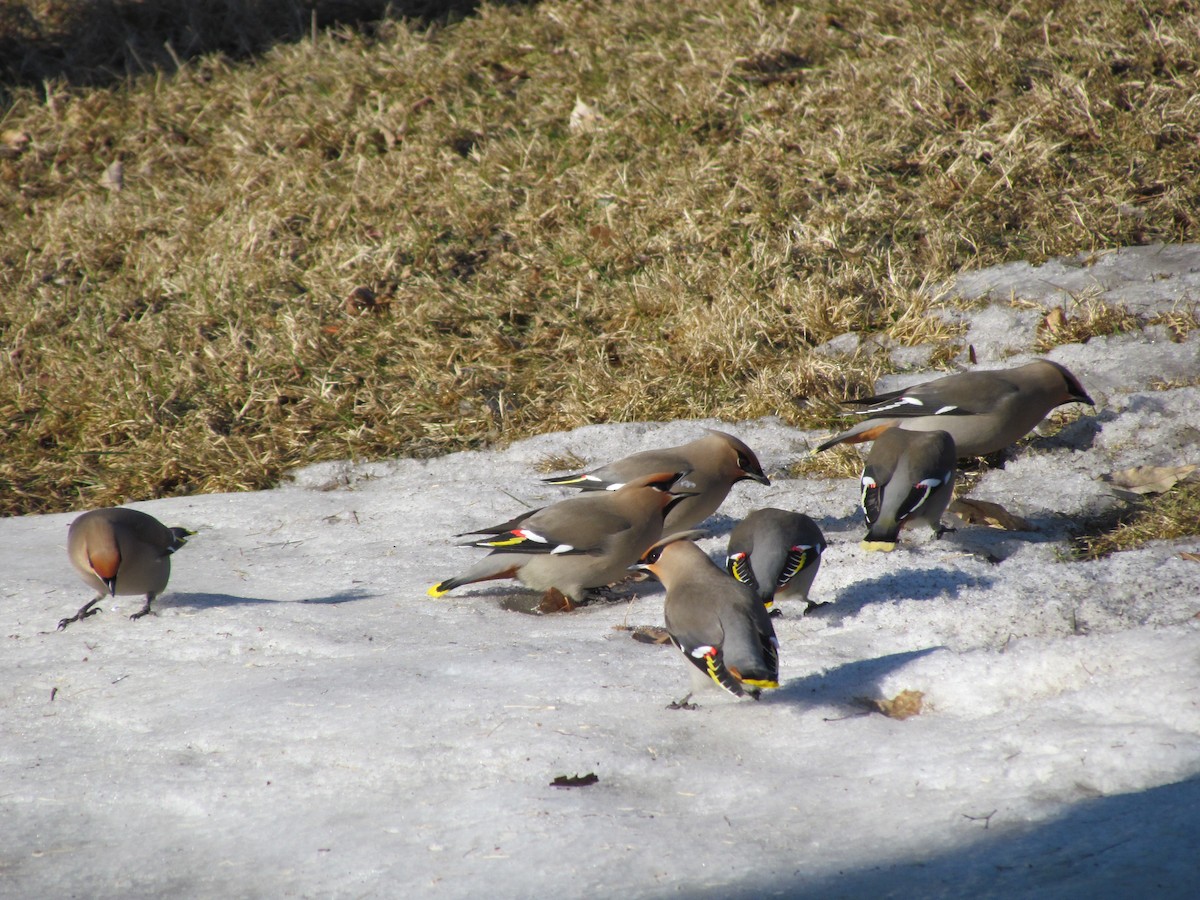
437 591
882 546
764 685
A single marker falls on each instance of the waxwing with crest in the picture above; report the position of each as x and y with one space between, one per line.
121 551
777 553
714 463
720 626
908 478
984 411
581 542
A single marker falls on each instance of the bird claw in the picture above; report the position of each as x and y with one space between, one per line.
682 704
63 623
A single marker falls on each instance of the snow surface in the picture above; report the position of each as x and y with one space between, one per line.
300 720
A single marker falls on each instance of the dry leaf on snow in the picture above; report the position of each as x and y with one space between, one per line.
570 781
983 512
646 634
1149 479
902 706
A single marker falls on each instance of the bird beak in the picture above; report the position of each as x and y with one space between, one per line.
756 476
111 584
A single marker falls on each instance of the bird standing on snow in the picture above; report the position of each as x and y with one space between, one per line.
983 411
777 553
908 477
575 544
715 463
718 623
121 551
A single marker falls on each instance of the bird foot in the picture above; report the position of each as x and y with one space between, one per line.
82 614
682 704
942 529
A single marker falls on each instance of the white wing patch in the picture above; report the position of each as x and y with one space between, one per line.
901 401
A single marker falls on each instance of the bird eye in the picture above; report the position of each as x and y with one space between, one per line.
652 557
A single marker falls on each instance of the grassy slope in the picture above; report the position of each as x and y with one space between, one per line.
763 177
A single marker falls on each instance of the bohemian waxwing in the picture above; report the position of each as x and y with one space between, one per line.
908 477
716 462
777 553
983 411
717 622
578 543
121 551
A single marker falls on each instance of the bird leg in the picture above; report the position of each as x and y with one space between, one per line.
941 529
84 611
145 610
683 704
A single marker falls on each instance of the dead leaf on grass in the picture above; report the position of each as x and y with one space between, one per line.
602 235
1056 320
13 143
113 178
584 118
993 515
1149 479
1188 555
362 299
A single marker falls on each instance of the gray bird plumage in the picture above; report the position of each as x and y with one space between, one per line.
582 542
777 553
984 411
121 551
715 463
717 622
908 478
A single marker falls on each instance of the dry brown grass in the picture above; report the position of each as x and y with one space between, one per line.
1173 514
1083 319
763 178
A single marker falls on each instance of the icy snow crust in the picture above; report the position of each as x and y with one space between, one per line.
300 720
